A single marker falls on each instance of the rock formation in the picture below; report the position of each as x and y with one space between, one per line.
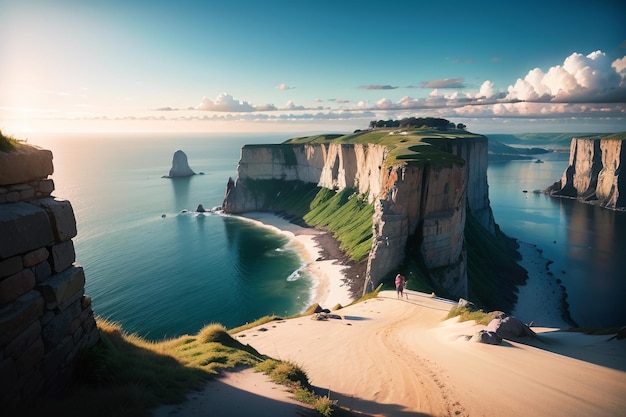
46 319
594 172
180 166
426 201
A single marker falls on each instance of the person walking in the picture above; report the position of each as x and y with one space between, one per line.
400 280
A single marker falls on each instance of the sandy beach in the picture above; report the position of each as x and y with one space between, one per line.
400 357
328 275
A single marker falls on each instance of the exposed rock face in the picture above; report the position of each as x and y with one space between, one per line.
594 173
180 166
412 201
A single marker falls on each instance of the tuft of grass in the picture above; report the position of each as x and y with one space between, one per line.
464 314
9 143
256 323
369 295
284 373
289 374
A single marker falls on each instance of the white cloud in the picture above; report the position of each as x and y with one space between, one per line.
283 86
292 106
592 78
486 90
265 107
225 102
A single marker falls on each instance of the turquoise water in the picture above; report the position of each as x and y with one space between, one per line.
167 276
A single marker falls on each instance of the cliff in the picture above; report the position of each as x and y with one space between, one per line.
594 173
46 319
422 185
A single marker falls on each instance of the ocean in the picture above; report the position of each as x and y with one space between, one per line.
161 270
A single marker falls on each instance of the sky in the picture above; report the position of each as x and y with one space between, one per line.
311 66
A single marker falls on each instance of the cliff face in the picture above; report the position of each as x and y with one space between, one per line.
333 166
594 172
422 204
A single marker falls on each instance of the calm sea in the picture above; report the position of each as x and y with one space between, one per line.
161 270
166 276
586 243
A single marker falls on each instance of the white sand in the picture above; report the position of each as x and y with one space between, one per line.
328 275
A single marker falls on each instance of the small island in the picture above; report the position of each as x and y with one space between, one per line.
180 166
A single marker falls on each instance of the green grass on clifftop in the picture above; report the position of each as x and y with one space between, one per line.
411 146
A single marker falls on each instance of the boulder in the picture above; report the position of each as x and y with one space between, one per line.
509 327
463 303
180 166
486 336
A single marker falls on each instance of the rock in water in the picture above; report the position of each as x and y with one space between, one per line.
180 166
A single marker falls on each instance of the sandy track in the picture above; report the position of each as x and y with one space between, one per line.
362 359
389 357
396 357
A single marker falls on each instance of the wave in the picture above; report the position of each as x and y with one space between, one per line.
295 275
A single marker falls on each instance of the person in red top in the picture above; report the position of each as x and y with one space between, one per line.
399 285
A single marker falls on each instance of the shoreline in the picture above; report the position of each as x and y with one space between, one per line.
320 254
540 299
339 281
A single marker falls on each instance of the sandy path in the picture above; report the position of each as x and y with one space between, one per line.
390 357
362 359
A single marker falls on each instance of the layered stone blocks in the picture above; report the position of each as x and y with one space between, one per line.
46 319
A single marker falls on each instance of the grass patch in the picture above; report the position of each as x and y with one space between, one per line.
9 143
348 216
289 374
410 145
127 376
256 323
464 314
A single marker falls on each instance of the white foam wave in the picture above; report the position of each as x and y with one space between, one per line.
295 275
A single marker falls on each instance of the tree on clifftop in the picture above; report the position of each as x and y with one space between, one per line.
432 122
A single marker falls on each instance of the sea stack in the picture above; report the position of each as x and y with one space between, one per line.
180 166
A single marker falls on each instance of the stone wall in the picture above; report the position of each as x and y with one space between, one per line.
46 320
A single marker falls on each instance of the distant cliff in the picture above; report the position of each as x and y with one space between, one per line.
595 172
422 185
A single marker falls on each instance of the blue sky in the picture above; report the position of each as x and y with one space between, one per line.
311 66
